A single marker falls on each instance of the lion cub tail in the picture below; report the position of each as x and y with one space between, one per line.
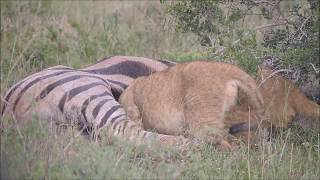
250 88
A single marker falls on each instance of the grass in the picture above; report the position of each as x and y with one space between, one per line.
36 150
36 35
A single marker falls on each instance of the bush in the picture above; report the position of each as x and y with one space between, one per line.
287 38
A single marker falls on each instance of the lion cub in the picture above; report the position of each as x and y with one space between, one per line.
190 99
282 101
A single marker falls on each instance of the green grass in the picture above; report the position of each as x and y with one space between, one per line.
35 150
36 35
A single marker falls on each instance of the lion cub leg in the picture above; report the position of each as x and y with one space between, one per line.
206 114
229 100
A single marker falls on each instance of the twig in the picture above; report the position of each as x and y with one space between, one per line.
259 28
248 146
272 74
284 146
303 25
314 68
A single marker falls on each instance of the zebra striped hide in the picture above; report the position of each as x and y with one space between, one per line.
85 97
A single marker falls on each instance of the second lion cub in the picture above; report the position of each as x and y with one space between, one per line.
190 99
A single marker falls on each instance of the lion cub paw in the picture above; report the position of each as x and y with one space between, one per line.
220 143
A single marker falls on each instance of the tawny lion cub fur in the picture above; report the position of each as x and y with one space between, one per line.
190 99
282 101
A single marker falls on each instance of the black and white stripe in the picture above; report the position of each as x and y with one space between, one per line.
87 95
